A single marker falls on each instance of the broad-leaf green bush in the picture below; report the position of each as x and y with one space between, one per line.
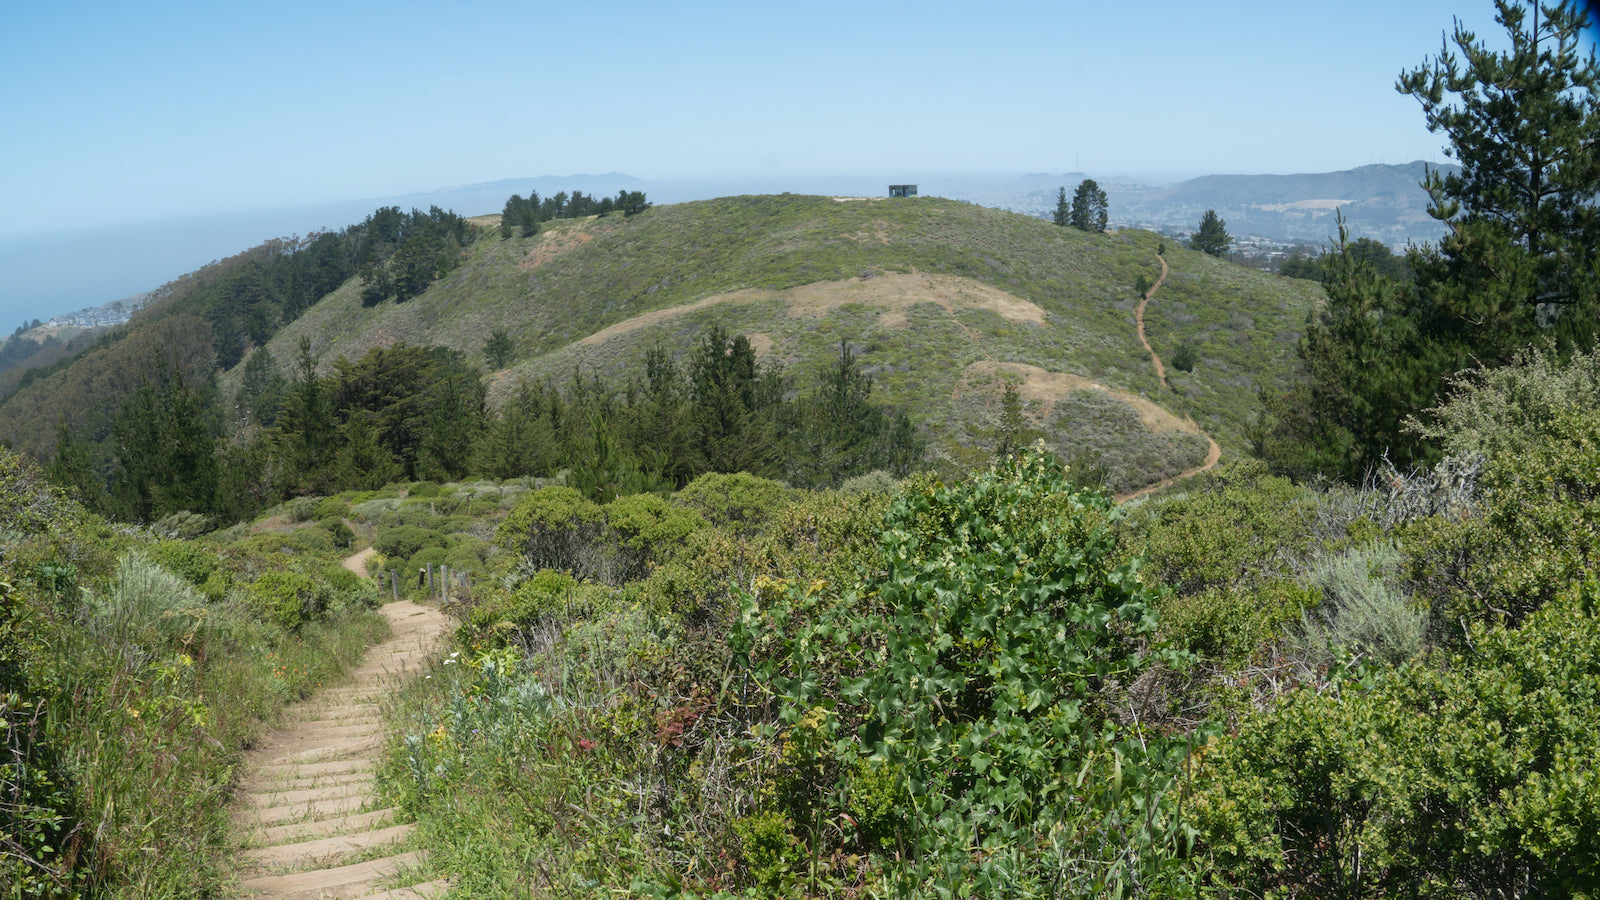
645 528
981 664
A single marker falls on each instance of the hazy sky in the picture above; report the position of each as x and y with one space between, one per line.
118 112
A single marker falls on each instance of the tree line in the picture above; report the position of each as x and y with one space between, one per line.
1519 267
523 214
406 413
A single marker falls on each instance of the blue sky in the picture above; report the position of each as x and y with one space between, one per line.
123 112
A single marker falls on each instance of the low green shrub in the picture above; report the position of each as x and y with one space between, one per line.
1234 525
1234 625
1468 779
405 541
876 482
186 559
1364 610
300 509
979 664
287 599
555 528
340 533
740 502
644 529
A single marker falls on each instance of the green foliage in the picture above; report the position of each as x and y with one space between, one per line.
287 599
740 502
126 697
300 509
555 528
1232 625
1235 522
1517 266
404 541
1363 609
498 349
343 535
1367 368
1211 237
977 668
1088 207
646 529
1533 536
1184 358
1063 215
192 562
1523 121
1462 780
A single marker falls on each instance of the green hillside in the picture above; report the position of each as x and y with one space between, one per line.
939 299
942 302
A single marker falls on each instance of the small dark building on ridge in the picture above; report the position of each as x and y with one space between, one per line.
902 190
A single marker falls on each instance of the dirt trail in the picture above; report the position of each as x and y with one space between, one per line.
1138 321
1213 451
308 812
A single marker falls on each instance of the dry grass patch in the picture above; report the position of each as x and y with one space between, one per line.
1040 390
894 294
551 244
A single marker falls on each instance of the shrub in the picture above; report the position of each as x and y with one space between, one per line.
405 541
1363 609
335 507
1236 524
740 502
1184 358
186 559
1231 625
549 596
646 528
1531 538
300 509
555 528
287 599
341 533
1471 779
978 666
183 525
875 482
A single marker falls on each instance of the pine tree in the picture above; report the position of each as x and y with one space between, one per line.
1089 207
1063 208
1524 240
1212 236
1519 264
498 349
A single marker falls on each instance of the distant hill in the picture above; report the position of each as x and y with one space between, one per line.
1382 202
1385 203
942 301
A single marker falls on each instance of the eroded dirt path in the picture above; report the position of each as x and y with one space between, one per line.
1138 321
310 819
1213 451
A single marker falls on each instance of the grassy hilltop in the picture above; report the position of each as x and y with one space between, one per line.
939 299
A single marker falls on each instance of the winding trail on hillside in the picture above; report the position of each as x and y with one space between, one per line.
308 814
1138 322
1213 450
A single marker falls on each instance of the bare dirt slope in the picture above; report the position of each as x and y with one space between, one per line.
310 820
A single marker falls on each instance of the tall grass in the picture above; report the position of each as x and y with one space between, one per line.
152 695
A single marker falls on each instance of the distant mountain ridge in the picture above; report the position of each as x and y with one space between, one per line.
1383 202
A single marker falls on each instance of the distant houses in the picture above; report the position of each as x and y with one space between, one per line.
902 190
